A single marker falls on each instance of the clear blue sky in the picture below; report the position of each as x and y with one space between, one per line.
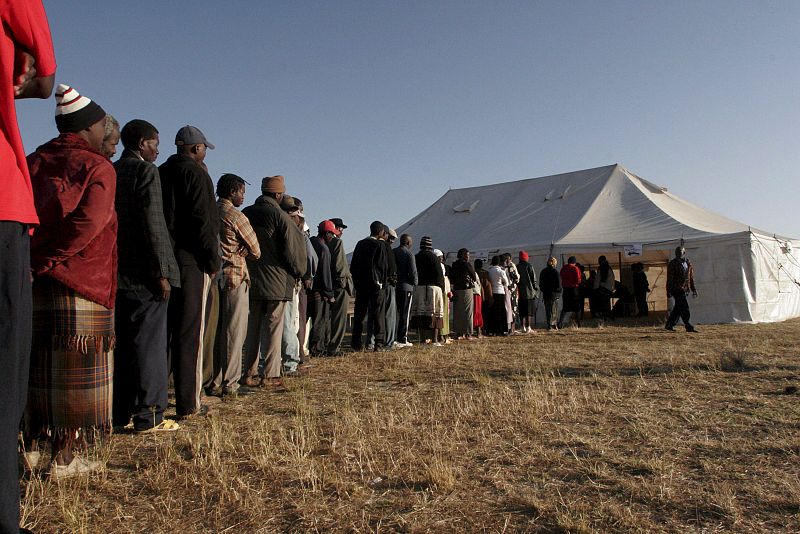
373 109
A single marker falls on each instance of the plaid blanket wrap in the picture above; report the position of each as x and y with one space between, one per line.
71 361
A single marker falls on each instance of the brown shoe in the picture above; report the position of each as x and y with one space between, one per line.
252 381
272 383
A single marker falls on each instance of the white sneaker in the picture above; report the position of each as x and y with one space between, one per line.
78 466
408 344
437 344
31 459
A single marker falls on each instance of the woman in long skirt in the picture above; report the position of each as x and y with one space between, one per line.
463 279
74 263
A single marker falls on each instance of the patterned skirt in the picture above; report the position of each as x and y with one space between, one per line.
71 362
427 307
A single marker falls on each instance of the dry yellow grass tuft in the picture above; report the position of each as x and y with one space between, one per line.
624 428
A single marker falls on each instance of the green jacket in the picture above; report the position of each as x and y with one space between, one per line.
283 258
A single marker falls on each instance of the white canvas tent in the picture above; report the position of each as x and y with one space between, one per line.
742 274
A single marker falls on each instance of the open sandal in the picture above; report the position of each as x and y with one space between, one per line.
167 425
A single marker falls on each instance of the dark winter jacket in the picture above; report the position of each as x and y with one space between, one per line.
550 281
528 288
369 265
323 281
283 258
190 211
429 269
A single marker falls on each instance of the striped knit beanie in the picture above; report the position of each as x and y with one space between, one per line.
75 112
426 243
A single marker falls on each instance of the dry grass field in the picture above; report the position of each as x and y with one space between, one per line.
615 429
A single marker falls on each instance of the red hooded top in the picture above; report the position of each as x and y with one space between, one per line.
76 243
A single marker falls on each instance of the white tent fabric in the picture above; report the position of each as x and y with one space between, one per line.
743 274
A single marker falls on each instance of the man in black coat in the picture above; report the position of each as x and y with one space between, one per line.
550 284
369 267
406 282
147 272
190 211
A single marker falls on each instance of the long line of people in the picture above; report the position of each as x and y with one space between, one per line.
397 292
148 260
141 273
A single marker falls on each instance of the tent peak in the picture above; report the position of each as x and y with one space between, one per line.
607 168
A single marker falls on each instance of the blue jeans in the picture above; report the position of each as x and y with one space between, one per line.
290 344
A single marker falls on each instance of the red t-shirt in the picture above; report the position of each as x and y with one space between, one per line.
24 26
570 275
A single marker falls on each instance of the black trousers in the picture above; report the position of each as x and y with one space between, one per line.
498 315
185 327
369 305
15 351
140 359
641 305
681 309
338 312
551 308
319 311
403 314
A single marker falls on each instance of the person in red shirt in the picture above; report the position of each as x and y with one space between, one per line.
27 70
571 278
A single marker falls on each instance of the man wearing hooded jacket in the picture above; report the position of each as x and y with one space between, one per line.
274 275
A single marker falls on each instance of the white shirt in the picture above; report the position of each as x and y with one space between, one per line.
499 279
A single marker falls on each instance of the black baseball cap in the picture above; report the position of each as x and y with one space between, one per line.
338 223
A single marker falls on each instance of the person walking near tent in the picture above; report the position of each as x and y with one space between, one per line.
29 66
369 268
641 287
406 282
528 289
571 278
464 279
603 289
427 305
74 265
342 289
680 281
550 284
498 317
